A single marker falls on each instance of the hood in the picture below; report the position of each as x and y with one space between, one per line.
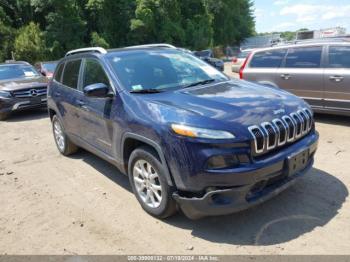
22 83
237 103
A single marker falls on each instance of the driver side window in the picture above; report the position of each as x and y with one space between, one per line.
94 73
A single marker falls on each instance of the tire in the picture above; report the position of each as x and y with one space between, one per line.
3 116
63 143
156 182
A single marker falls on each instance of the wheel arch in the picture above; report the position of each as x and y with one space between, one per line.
131 141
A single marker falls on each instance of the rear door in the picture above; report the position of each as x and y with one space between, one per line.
96 125
67 95
263 66
302 74
337 77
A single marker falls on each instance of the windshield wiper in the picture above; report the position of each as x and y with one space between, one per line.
146 91
203 82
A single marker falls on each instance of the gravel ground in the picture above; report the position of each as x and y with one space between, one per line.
52 204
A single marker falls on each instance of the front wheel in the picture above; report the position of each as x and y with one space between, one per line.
146 175
63 143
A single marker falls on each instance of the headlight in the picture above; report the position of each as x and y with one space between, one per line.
200 132
5 94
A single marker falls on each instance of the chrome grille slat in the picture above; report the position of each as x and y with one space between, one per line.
271 135
280 131
25 93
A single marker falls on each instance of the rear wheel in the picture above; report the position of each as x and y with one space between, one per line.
146 175
63 143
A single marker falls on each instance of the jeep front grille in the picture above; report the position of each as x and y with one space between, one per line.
289 128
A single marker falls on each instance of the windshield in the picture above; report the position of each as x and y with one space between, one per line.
161 69
49 67
17 71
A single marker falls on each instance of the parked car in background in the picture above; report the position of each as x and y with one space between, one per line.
46 68
208 56
186 134
21 87
238 60
317 71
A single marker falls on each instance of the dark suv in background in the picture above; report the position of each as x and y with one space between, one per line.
318 71
187 135
208 56
21 87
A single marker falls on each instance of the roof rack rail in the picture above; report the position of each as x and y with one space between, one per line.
320 40
151 45
87 50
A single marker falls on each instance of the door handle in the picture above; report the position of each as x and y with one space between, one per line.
286 76
336 78
82 105
57 94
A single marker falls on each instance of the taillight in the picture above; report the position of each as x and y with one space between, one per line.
243 66
234 60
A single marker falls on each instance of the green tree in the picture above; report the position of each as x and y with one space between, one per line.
111 19
97 40
233 21
29 43
157 21
197 23
7 35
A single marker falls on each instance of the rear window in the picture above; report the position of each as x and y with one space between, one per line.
268 59
305 57
59 72
339 57
71 74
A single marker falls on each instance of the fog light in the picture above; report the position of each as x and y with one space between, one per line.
222 161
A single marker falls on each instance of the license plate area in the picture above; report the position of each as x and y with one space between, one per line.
297 162
35 100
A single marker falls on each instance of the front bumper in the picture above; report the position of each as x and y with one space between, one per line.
234 199
9 105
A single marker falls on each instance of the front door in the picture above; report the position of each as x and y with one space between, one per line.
96 125
337 78
302 74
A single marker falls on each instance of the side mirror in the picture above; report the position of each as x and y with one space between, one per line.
96 90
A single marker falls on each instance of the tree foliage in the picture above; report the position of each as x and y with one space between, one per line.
36 29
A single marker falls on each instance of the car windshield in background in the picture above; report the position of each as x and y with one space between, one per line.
161 69
204 53
243 55
50 67
17 71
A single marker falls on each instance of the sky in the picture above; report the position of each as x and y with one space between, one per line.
291 15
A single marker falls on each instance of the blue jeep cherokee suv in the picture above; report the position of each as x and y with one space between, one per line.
186 134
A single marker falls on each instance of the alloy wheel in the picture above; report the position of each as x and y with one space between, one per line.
147 183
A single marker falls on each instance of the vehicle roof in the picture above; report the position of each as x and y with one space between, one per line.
15 63
305 44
